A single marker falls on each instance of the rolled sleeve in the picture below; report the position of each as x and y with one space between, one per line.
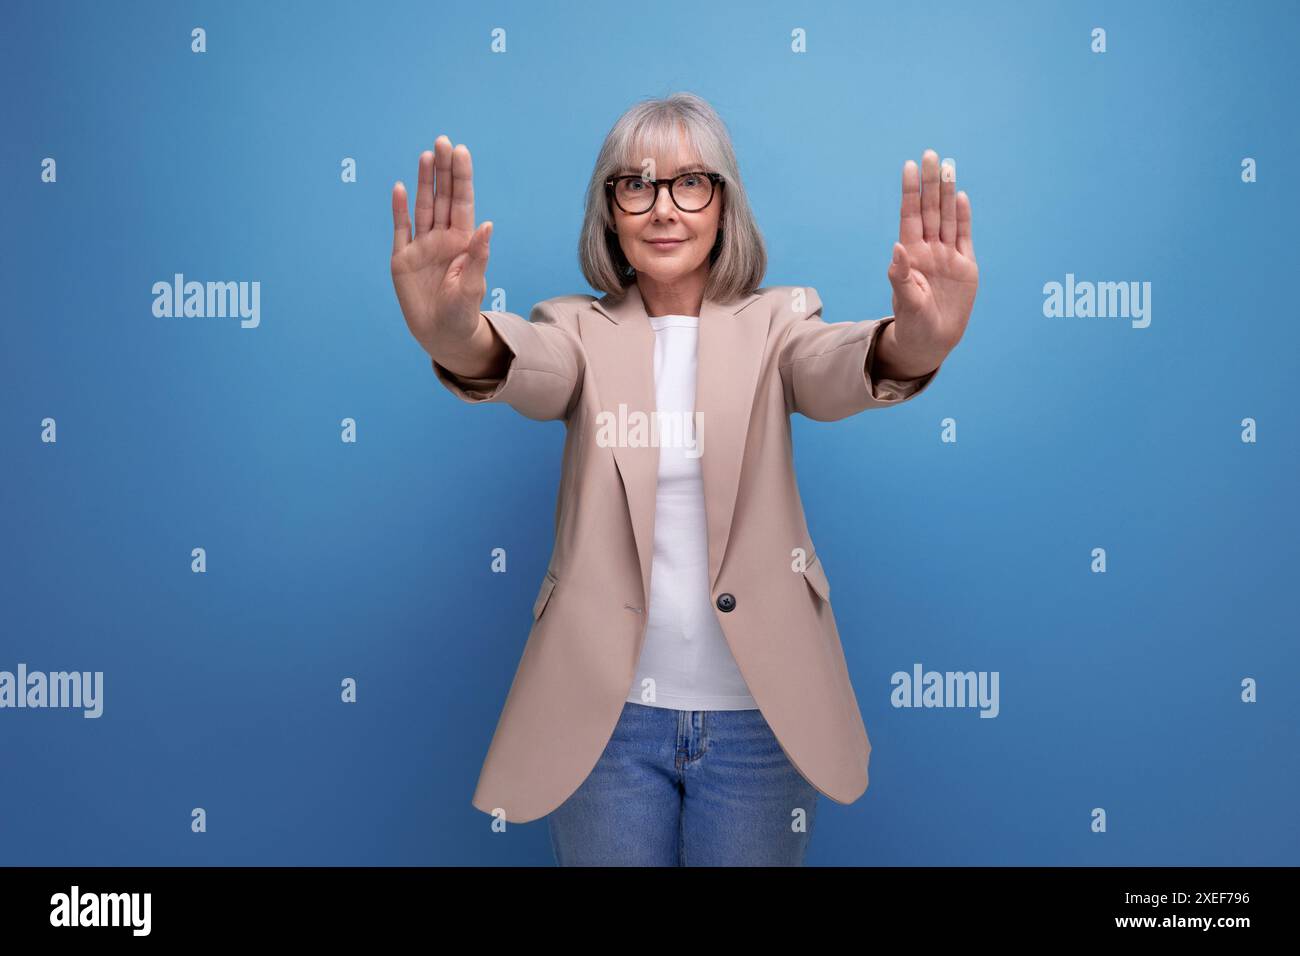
826 366
544 373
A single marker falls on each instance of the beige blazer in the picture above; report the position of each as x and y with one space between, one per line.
761 358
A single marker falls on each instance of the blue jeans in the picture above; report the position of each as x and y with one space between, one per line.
687 788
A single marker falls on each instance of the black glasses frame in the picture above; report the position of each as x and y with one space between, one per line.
715 180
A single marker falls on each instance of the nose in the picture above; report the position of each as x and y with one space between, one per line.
664 206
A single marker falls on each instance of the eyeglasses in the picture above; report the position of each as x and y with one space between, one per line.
690 192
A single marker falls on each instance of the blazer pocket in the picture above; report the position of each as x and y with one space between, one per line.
815 575
544 595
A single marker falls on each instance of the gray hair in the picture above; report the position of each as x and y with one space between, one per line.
651 128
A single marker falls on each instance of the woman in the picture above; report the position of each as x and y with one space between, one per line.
682 698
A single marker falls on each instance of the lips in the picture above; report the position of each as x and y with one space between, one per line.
665 242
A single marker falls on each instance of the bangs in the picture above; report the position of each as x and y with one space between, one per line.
656 138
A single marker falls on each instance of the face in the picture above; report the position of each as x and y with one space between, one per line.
693 232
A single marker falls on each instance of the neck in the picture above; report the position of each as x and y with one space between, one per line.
682 295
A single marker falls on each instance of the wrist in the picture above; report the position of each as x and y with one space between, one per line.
483 354
892 360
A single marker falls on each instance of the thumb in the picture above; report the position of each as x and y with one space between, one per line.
907 292
900 267
480 245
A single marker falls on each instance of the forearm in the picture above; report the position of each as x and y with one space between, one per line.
485 355
890 361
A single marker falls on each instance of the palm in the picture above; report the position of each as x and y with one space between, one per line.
936 280
421 268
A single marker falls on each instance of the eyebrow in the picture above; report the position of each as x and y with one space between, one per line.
690 168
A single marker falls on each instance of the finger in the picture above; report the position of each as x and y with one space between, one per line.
930 195
948 202
442 174
964 244
462 189
401 220
424 194
909 220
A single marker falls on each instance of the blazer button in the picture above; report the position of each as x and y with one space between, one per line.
726 602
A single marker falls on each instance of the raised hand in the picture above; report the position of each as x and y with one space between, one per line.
933 273
440 273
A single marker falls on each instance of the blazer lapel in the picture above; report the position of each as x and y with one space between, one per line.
619 342
730 358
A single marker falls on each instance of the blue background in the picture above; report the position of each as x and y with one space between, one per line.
328 560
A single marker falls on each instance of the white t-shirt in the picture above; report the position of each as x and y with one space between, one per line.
685 652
